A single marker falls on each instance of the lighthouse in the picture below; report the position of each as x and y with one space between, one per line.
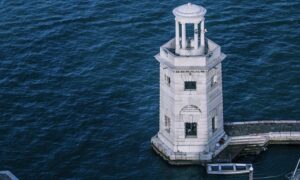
191 101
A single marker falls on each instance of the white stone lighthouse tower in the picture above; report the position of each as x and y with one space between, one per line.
191 102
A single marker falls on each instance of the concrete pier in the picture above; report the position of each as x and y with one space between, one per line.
253 137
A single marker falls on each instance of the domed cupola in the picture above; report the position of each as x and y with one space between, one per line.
190 38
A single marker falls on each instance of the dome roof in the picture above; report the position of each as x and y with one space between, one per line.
189 10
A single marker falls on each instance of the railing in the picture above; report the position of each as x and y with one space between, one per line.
213 54
211 47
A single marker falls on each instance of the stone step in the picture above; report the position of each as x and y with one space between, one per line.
258 140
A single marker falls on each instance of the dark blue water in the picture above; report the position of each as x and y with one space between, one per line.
79 85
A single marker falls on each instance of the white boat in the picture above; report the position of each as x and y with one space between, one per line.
295 175
7 175
229 168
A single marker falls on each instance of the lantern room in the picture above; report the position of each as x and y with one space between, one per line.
190 30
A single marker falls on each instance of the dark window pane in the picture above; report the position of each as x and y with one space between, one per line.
169 81
213 121
190 129
190 85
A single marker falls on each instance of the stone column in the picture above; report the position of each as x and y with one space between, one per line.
202 34
177 35
196 36
183 36
202 43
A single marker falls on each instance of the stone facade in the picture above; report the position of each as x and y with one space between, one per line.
191 102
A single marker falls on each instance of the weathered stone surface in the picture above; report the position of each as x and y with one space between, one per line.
258 127
252 137
192 60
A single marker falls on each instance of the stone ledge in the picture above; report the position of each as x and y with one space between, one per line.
178 158
258 127
264 122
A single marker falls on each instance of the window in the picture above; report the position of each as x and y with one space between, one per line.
168 80
190 85
214 81
167 124
213 124
190 129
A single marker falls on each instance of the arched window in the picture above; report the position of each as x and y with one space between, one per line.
214 80
190 114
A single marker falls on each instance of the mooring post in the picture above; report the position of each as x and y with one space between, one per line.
251 173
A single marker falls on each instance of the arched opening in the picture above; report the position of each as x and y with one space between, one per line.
190 109
190 115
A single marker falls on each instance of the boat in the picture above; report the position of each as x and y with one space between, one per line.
295 175
7 175
229 168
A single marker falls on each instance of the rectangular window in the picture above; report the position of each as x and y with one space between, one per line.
214 81
168 80
167 124
190 129
190 85
213 124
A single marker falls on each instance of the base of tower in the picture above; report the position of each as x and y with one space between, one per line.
245 138
179 158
